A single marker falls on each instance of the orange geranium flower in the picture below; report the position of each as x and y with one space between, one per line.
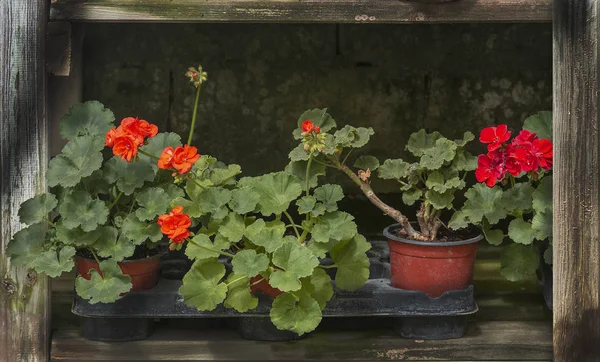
181 158
175 224
126 138
139 128
125 146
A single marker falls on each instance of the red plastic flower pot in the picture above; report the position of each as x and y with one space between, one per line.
264 287
143 272
431 267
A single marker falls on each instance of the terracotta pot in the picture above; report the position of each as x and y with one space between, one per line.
264 287
431 267
143 272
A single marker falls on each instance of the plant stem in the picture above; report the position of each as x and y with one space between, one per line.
49 222
94 255
293 224
210 249
147 154
196 182
310 159
328 266
235 281
347 155
258 281
324 163
189 142
388 210
116 200
132 205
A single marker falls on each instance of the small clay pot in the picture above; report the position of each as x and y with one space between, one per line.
143 272
431 267
264 287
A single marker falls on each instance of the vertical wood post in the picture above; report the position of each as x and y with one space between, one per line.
24 303
576 181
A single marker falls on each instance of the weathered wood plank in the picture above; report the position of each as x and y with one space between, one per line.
576 181
24 303
303 11
58 49
495 341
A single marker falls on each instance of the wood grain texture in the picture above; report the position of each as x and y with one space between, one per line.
58 48
576 181
491 341
303 11
24 303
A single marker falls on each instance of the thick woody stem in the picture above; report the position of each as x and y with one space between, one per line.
435 228
421 220
411 233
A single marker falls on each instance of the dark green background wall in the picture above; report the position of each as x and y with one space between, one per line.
395 78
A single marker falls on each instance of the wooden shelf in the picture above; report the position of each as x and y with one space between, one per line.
302 11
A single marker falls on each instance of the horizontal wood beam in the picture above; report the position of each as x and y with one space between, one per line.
302 11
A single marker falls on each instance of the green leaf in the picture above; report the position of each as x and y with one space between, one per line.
233 227
54 262
318 286
464 161
409 197
214 200
337 225
329 195
541 124
78 209
440 200
268 235
458 221
295 261
37 208
79 158
189 207
139 231
483 201
542 225
393 169
420 141
202 287
201 247
299 154
239 296
128 176
352 263
520 231
435 157
494 237
86 119
249 263
517 198
224 175
298 169
306 204
467 137
548 255
117 249
173 191
243 200
367 163
81 238
519 262
276 191
542 196
321 209
153 202
319 249
156 145
299 316
319 117
350 136
27 244
437 182
105 288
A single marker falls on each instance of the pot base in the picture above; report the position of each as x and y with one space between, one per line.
116 329
431 328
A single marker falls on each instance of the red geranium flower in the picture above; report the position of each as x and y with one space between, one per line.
125 146
175 224
126 138
164 160
317 129
495 136
543 152
139 127
308 126
490 169
181 158
524 137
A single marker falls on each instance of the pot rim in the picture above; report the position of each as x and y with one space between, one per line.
387 232
157 256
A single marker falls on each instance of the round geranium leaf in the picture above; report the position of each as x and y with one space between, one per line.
27 244
276 191
139 231
55 262
299 316
89 118
352 262
80 210
128 176
105 288
239 295
79 158
294 261
37 208
519 262
269 235
249 263
202 287
153 202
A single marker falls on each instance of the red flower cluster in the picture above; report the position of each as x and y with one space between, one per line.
175 224
126 138
308 127
525 153
180 158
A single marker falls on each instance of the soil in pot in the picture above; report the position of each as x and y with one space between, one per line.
143 267
433 267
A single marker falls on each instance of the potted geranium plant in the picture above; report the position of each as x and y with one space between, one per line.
515 188
425 254
101 212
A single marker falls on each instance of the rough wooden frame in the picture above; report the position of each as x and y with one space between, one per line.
24 296
303 11
576 181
